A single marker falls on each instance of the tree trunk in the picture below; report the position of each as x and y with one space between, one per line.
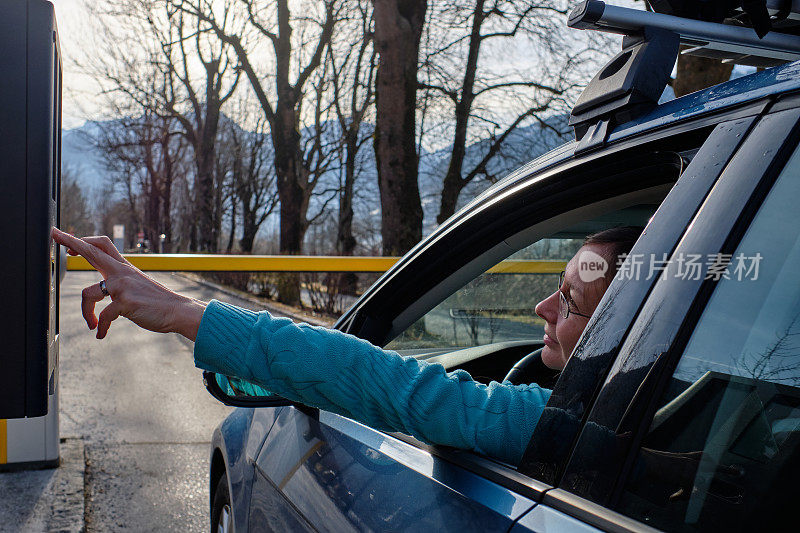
205 200
208 233
294 203
166 202
696 73
451 188
232 234
345 242
398 29
347 282
152 201
164 182
249 227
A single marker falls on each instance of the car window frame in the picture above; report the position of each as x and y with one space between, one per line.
635 414
464 275
576 391
447 256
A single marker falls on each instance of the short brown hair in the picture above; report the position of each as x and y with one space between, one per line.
621 240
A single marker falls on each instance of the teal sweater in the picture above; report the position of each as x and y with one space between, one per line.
343 374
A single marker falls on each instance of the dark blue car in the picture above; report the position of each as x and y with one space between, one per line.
680 407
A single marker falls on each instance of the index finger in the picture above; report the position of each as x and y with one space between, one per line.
99 259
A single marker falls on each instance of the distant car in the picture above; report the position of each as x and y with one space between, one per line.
680 407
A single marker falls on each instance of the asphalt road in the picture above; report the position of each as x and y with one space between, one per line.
137 405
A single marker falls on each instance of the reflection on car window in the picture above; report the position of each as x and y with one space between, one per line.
496 306
722 451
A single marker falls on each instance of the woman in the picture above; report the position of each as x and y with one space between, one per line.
341 373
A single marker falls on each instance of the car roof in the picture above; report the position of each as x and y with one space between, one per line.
735 92
748 88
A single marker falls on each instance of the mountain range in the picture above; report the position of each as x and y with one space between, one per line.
85 161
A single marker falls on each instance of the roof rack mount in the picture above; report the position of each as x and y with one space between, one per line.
633 81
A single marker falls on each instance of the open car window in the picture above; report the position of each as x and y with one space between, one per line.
498 306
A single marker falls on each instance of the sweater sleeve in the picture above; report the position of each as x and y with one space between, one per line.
337 372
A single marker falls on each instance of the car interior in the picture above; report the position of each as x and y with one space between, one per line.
488 325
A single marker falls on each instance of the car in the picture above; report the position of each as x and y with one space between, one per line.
679 409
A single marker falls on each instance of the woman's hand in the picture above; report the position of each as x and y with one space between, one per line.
134 295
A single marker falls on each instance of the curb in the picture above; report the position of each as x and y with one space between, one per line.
67 508
49 500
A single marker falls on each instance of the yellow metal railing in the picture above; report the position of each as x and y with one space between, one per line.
247 263
294 263
3 442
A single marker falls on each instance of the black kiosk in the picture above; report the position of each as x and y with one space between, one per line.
30 170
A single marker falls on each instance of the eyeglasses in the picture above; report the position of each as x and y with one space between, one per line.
563 306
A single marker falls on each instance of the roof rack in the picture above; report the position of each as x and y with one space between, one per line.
633 81
739 44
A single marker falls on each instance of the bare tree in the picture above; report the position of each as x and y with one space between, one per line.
148 40
297 47
486 98
398 30
778 361
75 215
252 179
183 42
352 70
143 157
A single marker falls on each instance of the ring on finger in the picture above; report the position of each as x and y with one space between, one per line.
103 288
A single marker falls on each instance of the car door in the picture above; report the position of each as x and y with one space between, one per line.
321 471
696 424
325 472
318 470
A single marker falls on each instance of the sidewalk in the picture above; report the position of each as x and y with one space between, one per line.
46 500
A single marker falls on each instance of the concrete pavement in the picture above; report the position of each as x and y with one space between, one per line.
136 423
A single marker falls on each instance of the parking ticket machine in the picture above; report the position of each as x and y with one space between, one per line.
30 170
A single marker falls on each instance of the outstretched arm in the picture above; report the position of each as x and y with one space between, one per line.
319 367
341 373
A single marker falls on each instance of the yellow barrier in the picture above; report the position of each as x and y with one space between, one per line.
294 263
247 263
3 442
528 266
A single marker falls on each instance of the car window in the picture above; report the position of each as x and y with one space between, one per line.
498 305
723 447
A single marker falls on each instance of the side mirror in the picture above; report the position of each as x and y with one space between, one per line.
240 393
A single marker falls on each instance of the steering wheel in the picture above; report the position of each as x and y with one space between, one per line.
531 369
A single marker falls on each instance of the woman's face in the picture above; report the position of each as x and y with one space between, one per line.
561 334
